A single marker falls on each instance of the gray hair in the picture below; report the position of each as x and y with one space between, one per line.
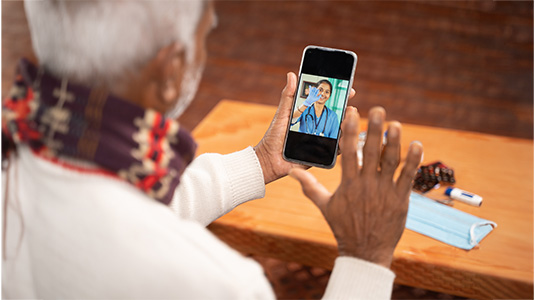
92 41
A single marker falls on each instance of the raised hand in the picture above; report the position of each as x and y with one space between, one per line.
367 212
313 96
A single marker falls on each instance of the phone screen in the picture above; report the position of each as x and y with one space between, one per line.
323 88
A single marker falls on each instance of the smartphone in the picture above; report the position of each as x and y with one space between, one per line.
325 81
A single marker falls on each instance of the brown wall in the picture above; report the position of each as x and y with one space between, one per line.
456 64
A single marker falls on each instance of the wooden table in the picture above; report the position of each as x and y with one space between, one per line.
287 226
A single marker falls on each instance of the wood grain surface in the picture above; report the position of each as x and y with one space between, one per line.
287 226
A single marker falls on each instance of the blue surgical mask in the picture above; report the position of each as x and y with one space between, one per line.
445 223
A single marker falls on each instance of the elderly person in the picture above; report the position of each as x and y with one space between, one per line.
98 201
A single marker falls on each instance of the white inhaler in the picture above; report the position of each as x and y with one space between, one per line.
464 196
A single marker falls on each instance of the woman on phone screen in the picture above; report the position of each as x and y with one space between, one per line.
313 116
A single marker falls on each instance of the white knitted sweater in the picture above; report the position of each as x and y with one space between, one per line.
79 234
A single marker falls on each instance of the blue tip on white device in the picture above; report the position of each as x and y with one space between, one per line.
464 196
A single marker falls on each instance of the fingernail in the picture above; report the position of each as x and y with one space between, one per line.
392 132
375 116
416 150
394 129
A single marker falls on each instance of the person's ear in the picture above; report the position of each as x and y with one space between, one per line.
170 65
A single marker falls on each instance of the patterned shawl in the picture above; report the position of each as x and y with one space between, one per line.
58 119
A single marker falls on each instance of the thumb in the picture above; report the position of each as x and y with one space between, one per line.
312 188
288 92
291 84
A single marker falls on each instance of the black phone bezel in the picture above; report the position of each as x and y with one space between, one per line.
310 149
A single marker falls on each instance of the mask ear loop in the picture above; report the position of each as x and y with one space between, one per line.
473 241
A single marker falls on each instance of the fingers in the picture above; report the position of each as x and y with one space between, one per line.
390 157
316 92
348 143
313 189
374 138
352 93
414 157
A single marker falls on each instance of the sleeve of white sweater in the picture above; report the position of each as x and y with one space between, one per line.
213 184
354 278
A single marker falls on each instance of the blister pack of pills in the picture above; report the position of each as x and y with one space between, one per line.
430 175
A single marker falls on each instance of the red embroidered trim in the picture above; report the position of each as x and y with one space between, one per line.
63 164
21 108
155 153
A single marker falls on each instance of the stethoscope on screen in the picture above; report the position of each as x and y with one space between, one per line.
314 123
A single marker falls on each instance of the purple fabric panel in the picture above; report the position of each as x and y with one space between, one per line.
110 129
116 135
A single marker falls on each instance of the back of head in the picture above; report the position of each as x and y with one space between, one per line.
102 41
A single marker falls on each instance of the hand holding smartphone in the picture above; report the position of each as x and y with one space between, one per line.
325 80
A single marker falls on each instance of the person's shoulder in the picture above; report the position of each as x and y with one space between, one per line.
137 245
159 255
183 258
331 111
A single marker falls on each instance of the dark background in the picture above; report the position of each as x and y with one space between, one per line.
466 65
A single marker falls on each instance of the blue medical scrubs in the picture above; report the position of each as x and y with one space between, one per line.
325 125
